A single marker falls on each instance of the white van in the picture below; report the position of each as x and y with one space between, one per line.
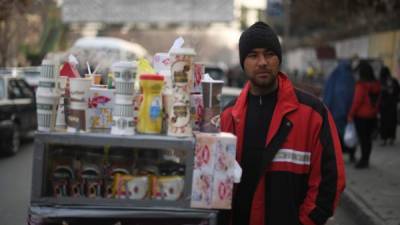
102 52
113 47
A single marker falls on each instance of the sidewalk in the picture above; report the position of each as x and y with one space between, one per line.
373 195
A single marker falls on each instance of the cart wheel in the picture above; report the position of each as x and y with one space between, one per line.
14 142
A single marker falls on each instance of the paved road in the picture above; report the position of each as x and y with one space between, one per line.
15 182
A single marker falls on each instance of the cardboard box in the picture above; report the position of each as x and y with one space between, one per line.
101 101
214 167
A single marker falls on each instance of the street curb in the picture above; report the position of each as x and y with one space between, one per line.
360 210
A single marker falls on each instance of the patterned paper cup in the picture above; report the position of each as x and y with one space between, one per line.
78 117
79 89
46 111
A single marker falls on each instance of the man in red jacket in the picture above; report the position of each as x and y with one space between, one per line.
288 146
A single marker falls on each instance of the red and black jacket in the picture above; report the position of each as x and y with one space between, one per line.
305 178
366 100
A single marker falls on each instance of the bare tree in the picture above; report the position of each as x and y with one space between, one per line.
10 18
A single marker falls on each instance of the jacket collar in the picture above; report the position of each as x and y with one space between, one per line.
286 102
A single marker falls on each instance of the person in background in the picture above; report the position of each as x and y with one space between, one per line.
287 143
364 110
338 97
388 106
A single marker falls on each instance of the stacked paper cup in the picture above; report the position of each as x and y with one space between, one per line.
124 74
47 96
179 118
78 115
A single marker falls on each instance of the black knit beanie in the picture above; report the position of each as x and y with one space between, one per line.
259 35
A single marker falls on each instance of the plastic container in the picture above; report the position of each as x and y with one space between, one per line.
150 111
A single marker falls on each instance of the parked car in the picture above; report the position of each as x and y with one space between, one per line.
216 71
31 74
17 112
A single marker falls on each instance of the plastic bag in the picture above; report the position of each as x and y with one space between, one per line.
350 135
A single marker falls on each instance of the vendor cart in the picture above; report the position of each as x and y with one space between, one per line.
99 178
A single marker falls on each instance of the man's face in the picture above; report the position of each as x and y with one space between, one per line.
262 67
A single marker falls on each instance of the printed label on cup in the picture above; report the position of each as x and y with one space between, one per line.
122 125
76 120
79 89
179 120
122 110
124 87
181 71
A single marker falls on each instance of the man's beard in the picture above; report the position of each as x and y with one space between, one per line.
264 84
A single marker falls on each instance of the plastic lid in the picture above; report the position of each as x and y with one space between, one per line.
207 78
151 77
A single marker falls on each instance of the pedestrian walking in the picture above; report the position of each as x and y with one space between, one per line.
287 142
364 110
388 106
338 97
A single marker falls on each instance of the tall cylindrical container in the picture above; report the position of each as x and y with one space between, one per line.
179 121
123 112
47 96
